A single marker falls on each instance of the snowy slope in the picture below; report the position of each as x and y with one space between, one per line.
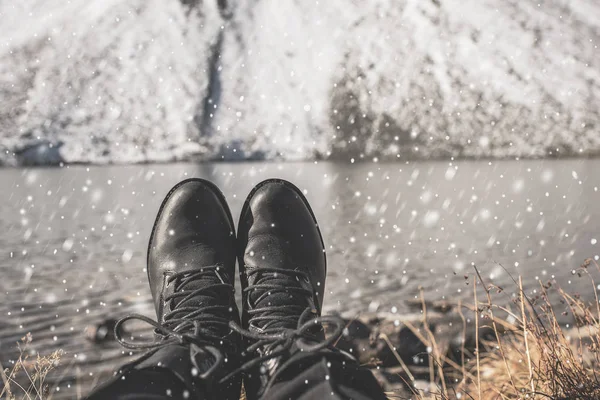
154 80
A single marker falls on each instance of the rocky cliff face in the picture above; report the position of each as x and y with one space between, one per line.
155 80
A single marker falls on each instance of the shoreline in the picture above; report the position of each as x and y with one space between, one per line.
14 162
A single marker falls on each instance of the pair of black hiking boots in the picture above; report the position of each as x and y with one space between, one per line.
191 268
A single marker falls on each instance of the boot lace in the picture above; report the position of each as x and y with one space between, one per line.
278 328
188 323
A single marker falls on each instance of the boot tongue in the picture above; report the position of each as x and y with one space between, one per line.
188 283
269 251
278 298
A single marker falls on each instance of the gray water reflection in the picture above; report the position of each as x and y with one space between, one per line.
398 225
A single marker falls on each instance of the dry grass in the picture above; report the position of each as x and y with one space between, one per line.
532 357
31 370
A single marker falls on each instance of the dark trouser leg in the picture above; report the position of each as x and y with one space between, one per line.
326 379
167 374
159 384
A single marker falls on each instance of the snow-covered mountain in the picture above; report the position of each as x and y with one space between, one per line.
153 80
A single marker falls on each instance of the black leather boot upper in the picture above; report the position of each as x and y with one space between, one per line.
193 231
282 271
191 270
277 229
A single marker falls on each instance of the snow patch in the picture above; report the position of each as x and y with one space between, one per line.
106 81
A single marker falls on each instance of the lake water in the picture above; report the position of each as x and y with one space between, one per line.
73 239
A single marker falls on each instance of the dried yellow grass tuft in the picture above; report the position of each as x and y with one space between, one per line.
533 356
26 380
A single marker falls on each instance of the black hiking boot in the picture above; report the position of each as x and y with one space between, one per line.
282 271
191 269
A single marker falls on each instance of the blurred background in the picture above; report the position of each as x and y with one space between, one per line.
430 136
117 81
